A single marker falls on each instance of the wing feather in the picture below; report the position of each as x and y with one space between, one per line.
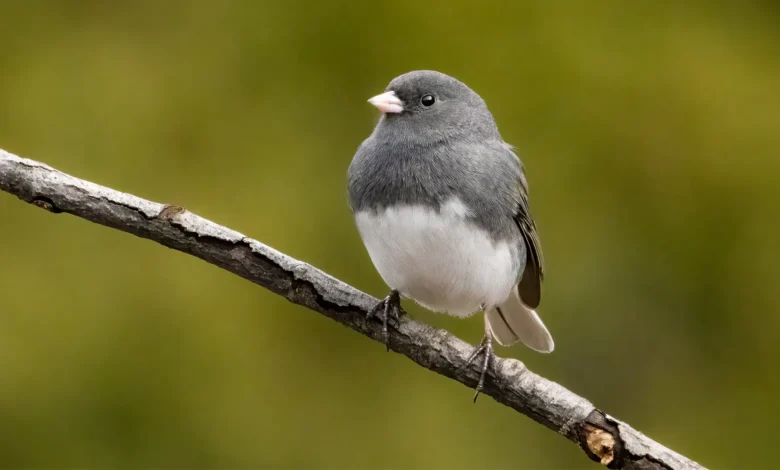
530 286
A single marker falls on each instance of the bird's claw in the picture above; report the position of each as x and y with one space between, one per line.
390 307
486 347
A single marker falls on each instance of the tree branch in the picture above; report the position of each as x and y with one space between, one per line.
603 438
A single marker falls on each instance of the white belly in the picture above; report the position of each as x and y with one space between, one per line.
440 260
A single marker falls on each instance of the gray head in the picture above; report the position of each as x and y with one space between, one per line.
435 140
428 105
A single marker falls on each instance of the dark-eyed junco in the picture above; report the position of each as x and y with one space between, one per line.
441 203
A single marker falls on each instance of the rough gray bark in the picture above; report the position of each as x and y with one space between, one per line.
603 438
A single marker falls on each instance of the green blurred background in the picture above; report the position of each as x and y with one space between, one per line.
650 134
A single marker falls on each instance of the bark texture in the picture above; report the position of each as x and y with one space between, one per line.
603 438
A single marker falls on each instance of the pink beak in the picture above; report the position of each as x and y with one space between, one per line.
387 102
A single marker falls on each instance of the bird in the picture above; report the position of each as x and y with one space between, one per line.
441 204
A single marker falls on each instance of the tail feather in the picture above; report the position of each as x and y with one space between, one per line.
513 321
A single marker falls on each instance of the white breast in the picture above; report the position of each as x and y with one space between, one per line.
441 260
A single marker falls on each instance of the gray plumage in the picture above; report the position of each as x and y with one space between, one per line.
429 172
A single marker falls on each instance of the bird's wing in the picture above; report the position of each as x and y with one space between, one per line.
530 286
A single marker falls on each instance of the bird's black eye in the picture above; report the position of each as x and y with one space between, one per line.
428 100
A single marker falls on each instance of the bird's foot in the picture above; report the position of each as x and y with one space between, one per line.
486 348
390 306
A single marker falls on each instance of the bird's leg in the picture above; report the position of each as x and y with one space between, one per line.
486 347
391 306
